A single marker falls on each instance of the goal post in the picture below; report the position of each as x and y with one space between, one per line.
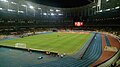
20 45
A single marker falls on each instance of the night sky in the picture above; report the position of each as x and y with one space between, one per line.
62 3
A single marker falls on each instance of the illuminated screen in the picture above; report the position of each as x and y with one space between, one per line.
78 23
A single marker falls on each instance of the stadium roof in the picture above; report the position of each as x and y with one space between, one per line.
63 3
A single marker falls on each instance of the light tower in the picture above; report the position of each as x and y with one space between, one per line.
99 5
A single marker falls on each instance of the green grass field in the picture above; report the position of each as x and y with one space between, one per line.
68 43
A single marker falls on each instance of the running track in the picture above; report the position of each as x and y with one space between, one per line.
106 55
107 40
92 54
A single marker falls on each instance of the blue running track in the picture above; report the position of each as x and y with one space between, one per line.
107 41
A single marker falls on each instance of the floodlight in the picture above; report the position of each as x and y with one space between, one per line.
57 10
24 5
107 0
101 11
117 7
20 11
44 13
60 14
39 8
4 0
93 6
98 5
13 3
51 10
1 8
52 14
107 10
31 7
11 10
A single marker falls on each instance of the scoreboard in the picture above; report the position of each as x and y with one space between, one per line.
79 24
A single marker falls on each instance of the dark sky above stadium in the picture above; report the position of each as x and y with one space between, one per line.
63 3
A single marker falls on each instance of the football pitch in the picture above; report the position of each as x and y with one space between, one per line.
68 43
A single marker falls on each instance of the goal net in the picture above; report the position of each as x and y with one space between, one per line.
20 45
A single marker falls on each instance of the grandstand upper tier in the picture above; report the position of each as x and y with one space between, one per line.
31 9
101 15
63 3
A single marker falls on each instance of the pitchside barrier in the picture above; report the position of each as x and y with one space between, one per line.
18 46
82 51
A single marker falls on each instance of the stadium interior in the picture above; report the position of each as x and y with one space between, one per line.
23 18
